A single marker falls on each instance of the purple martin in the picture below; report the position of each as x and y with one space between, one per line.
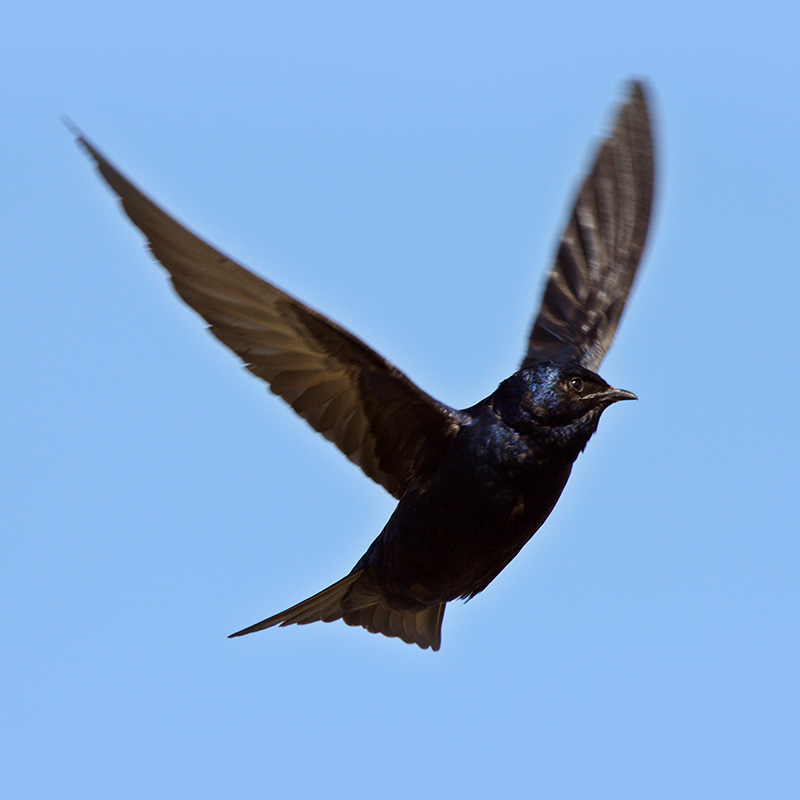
473 485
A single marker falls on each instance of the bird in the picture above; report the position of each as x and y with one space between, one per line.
473 485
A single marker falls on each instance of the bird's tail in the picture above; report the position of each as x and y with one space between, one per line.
357 601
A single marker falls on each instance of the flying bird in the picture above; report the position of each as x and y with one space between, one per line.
472 485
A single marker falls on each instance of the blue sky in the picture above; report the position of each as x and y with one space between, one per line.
405 169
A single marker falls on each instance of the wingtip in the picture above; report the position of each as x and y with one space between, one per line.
83 143
70 126
638 102
638 90
80 139
635 123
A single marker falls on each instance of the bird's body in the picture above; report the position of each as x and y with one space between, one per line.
494 484
451 534
474 485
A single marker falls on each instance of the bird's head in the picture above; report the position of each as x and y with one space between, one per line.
564 400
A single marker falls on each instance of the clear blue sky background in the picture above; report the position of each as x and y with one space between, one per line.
406 168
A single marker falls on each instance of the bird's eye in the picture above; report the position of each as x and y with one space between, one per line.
576 384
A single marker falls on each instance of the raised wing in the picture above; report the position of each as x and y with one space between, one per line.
355 398
601 247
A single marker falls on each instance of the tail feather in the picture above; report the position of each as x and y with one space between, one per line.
325 606
360 603
396 623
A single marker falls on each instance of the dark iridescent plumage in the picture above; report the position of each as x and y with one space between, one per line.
473 485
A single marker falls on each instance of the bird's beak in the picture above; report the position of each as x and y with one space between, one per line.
615 395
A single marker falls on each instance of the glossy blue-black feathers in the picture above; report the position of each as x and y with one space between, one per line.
473 485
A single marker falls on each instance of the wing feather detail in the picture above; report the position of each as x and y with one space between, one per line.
347 392
601 248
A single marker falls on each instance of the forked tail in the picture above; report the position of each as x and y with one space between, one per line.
358 602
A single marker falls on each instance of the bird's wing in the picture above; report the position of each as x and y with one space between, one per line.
601 247
355 398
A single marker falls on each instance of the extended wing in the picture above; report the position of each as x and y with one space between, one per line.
369 409
601 247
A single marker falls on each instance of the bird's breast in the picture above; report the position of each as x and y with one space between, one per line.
451 536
